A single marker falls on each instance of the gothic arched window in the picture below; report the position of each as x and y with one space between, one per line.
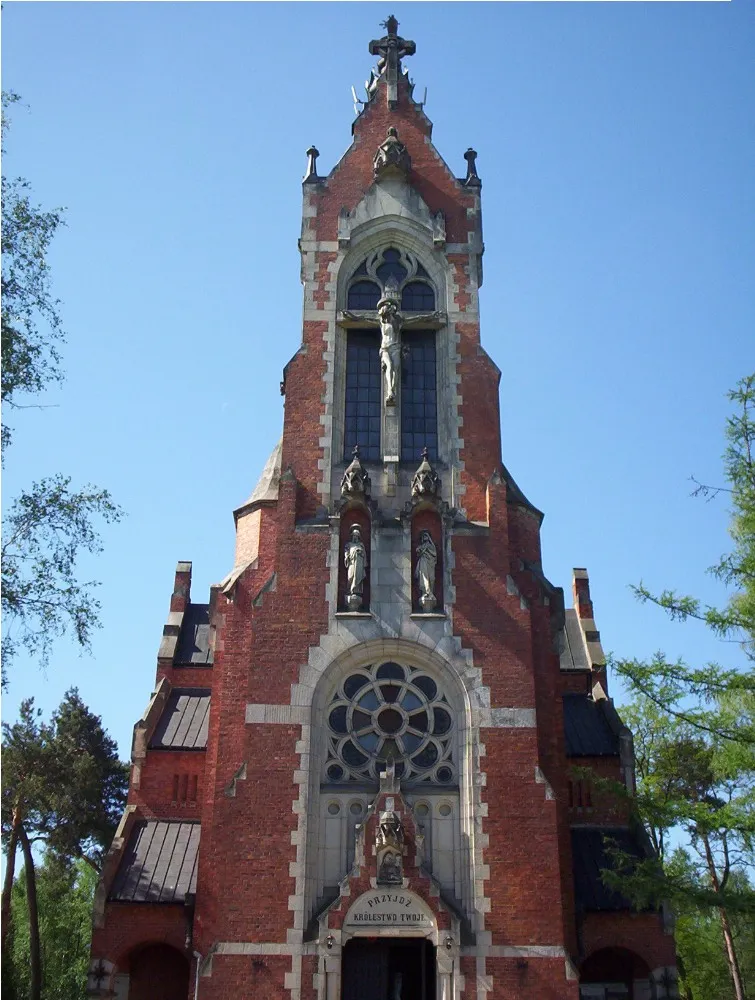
363 295
398 269
390 712
362 405
419 403
417 296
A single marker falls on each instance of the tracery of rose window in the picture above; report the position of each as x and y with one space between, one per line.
389 712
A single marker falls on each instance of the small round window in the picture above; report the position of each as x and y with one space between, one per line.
390 713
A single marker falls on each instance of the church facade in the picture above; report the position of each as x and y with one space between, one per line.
355 776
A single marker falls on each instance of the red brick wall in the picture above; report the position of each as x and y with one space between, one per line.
171 784
131 926
158 973
250 976
517 978
638 932
348 181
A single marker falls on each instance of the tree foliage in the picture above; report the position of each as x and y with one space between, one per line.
693 693
694 732
65 894
63 779
64 790
46 528
49 524
31 324
703 965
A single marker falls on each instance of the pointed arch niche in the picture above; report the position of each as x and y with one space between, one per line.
354 515
390 699
427 519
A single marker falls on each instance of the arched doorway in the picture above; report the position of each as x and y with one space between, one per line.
614 974
389 968
389 950
158 972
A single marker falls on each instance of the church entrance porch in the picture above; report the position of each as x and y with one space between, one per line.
388 969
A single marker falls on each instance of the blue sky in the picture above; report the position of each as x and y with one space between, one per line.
617 152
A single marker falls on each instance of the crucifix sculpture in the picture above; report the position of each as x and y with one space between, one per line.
391 49
391 322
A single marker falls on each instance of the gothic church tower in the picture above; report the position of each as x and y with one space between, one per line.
353 779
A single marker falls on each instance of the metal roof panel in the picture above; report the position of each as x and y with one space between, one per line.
159 864
587 730
184 722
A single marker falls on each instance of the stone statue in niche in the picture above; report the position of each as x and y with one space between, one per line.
355 561
392 154
390 344
390 843
424 571
389 872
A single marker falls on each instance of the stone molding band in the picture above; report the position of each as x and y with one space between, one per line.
297 715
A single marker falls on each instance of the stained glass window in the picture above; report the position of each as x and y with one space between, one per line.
419 406
362 416
390 713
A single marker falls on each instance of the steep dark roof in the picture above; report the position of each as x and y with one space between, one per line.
194 641
589 857
574 653
160 863
184 722
587 729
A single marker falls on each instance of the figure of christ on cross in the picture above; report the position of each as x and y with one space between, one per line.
390 345
391 323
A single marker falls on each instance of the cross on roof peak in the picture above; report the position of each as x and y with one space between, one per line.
391 49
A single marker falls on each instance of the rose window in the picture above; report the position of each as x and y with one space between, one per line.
390 713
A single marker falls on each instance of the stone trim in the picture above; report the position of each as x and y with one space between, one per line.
520 951
508 718
264 948
283 715
432 648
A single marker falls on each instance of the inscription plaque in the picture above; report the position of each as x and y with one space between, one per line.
392 909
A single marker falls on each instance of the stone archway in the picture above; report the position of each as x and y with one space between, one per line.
450 677
158 972
389 949
614 974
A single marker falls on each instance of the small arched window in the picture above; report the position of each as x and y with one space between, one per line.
417 297
363 295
